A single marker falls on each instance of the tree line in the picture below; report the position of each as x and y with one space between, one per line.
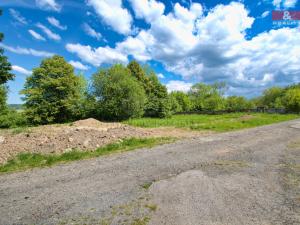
55 94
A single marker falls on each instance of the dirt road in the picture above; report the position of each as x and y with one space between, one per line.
245 177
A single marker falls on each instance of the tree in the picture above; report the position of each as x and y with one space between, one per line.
271 97
237 103
139 73
158 103
52 92
291 100
119 95
183 101
208 97
5 75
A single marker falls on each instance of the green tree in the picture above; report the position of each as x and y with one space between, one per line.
139 73
271 97
183 101
53 92
208 97
119 95
236 103
5 75
291 100
158 103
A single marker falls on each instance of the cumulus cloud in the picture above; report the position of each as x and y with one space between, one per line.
51 5
177 85
78 65
54 22
91 32
26 51
21 70
17 16
113 14
36 35
48 32
211 47
97 56
147 9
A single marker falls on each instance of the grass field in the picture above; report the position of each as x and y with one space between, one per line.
219 123
25 161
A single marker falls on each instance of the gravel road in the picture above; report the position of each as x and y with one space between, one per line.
245 177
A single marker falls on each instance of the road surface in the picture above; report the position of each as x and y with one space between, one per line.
245 177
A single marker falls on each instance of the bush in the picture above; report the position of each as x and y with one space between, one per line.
119 95
11 118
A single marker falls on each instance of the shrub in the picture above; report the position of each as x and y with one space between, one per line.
11 118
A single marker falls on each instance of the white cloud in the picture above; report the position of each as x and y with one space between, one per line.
177 85
284 3
54 22
211 47
289 3
48 5
265 14
91 32
113 14
78 65
160 75
136 46
21 70
36 35
48 32
17 16
147 9
97 56
26 51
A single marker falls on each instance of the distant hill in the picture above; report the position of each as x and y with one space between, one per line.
16 106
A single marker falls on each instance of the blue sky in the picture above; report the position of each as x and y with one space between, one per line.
184 41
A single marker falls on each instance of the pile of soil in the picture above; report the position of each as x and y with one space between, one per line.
87 134
84 135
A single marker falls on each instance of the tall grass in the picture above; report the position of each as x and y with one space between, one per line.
220 123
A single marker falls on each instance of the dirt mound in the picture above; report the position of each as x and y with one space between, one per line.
84 135
88 134
93 123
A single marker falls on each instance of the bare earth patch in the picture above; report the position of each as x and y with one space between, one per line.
88 134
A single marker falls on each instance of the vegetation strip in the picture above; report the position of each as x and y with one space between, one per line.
25 161
220 123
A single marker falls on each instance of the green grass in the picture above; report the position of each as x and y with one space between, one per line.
25 161
219 123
